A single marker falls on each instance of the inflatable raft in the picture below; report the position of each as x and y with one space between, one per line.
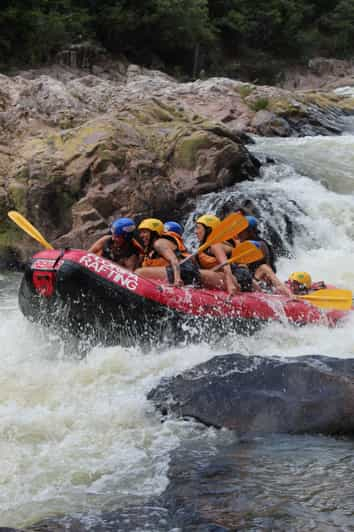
92 297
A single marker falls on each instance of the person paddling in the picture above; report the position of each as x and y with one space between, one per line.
213 256
120 246
264 270
163 251
173 227
300 283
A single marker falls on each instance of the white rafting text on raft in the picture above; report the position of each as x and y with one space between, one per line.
110 271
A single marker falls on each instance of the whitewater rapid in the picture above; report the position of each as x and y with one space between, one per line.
78 436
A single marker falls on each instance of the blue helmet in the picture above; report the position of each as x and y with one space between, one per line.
255 243
123 227
252 222
174 227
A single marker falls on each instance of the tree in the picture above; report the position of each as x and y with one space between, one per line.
32 35
340 24
165 27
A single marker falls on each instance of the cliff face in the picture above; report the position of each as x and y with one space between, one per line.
79 149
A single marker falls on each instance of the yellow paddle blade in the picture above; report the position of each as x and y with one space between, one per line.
246 253
228 228
28 228
233 224
335 298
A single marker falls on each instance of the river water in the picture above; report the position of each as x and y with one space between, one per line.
77 436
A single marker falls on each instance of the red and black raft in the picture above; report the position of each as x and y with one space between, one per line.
92 297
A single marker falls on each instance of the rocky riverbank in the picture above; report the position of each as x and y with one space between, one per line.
79 148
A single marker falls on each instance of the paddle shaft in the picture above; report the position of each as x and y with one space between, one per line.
26 226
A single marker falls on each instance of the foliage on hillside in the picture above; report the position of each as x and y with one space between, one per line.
178 34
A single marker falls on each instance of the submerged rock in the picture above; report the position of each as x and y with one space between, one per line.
312 394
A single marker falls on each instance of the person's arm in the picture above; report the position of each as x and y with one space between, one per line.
265 272
220 255
98 246
227 248
266 253
164 248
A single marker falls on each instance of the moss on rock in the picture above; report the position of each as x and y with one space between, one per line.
17 192
285 107
186 151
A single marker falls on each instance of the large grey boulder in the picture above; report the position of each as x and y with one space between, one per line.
312 394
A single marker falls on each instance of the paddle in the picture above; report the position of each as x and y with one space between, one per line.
28 228
228 228
335 298
245 253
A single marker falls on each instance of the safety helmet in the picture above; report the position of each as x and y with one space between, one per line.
152 224
209 220
174 227
303 278
123 227
252 222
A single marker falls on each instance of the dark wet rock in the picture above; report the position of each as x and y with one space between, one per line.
223 483
7 529
150 516
253 394
268 124
259 484
318 121
279 225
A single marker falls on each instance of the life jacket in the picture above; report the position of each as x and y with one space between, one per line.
269 257
206 260
153 259
318 285
178 240
117 254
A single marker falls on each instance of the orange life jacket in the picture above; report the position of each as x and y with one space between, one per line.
153 259
207 261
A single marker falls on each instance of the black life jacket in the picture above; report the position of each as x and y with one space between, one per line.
117 254
269 256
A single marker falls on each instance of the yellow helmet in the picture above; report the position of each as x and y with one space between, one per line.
209 220
153 224
301 278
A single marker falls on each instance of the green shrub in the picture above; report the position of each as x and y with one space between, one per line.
245 90
260 104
